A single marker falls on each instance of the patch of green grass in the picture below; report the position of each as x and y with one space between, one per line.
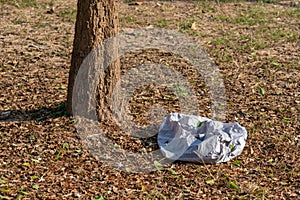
23 192
222 18
69 15
171 171
101 197
280 34
262 90
16 22
130 19
193 32
163 23
258 44
210 181
249 43
262 193
250 20
5 189
206 6
276 64
237 163
221 41
34 177
254 16
36 187
62 150
293 13
41 25
286 120
276 34
233 185
245 20
20 3
186 25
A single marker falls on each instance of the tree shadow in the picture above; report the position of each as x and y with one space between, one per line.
40 114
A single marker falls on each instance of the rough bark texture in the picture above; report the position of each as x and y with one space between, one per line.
96 21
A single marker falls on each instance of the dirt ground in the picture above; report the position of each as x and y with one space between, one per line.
256 47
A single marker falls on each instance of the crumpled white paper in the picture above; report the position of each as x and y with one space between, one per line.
199 139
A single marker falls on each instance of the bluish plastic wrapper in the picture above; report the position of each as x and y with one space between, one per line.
198 139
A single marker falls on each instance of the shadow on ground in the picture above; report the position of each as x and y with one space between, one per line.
39 114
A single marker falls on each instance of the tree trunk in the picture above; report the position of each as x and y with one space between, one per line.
96 21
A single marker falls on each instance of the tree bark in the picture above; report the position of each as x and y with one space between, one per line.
96 21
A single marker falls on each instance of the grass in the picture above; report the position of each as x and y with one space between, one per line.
189 26
15 22
130 19
20 3
280 34
294 13
69 14
163 23
253 16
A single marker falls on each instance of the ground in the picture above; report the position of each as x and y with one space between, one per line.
256 47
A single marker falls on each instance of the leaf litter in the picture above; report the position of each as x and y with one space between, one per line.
42 156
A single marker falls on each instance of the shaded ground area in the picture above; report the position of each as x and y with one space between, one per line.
256 47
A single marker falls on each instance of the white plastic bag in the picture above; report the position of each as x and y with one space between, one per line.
198 139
